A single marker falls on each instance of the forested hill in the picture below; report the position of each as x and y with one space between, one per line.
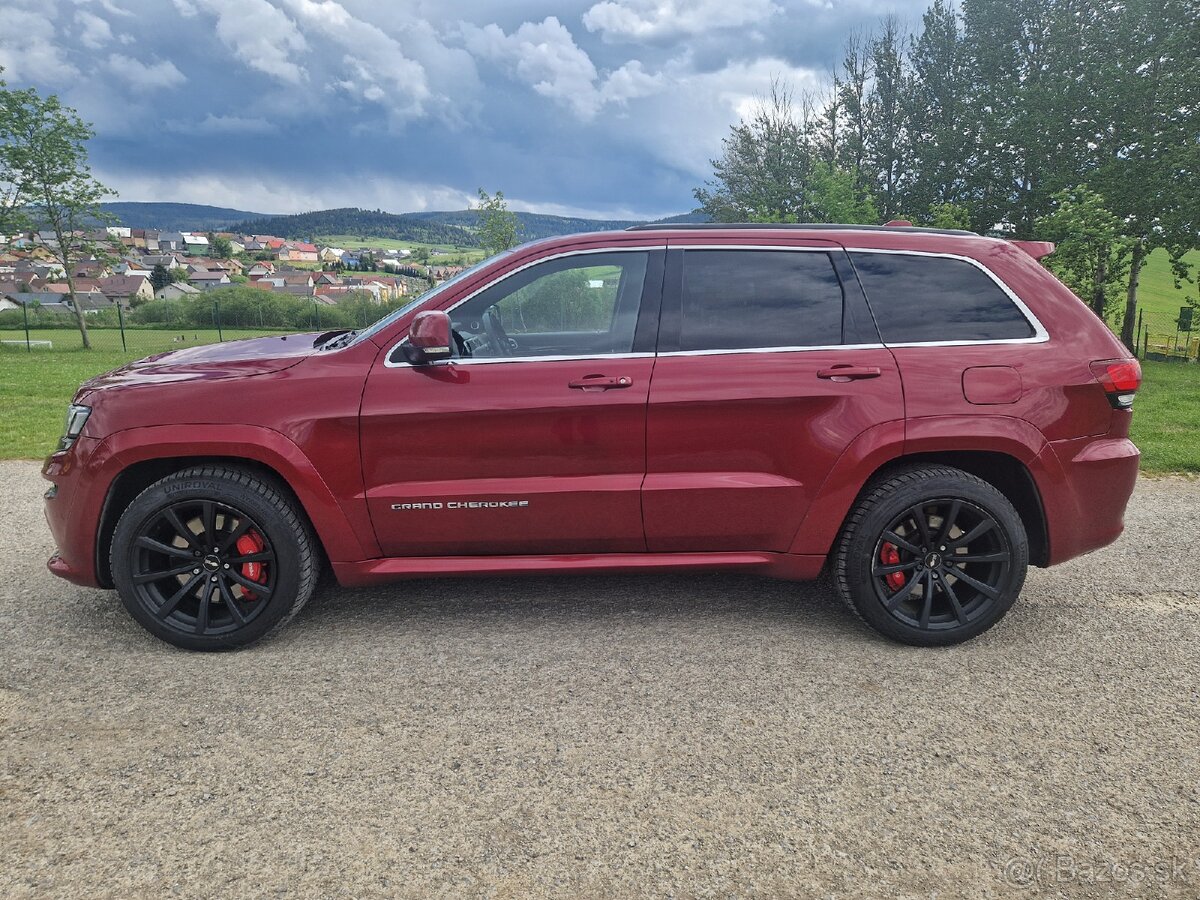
456 227
177 216
362 223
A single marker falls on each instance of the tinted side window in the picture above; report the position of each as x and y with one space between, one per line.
736 299
572 306
930 298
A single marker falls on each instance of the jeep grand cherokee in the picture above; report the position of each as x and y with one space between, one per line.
920 413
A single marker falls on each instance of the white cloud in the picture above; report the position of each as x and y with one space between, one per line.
629 82
186 9
382 71
138 74
107 5
29 48
212 124
649 19
282 194
683 124
94 32
257 33
545 56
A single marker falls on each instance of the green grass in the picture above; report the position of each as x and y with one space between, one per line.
1157 294
1166 417
34 392
139 342
35 389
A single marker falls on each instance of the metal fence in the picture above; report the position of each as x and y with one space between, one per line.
161 325
171 324
1163 336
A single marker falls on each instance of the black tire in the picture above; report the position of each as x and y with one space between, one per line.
960 578
213 558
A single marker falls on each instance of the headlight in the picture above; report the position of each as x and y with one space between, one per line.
77 417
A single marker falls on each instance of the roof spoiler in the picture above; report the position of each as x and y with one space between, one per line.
1036 249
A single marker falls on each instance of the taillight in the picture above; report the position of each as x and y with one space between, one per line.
1120 379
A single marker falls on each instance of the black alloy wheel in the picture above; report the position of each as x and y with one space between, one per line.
213 558
931 555
203 567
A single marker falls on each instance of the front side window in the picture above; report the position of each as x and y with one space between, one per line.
575 306
918 299
741 299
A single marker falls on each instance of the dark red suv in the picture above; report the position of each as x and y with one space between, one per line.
921 413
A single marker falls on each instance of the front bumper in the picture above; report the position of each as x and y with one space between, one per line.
73 513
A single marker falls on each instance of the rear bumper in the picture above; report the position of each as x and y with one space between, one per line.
1088 483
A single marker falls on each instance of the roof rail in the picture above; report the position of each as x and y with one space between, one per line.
777 226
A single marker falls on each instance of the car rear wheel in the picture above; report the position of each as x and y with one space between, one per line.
213 558
931 556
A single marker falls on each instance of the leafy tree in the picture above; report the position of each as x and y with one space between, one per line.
219 247
766 160
1149 172
159 277
949 215
498 227
936 110
1092 253
177 274
833 197
45 159
886 152
12 217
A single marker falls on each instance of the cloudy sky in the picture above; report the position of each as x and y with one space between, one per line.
601 107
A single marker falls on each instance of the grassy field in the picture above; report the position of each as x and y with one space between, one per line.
350 242
1157 293
139 342
35 389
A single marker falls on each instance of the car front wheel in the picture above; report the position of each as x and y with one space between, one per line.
213 558
931 556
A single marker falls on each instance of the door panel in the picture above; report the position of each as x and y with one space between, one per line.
738 444
439 438
743 424
502 452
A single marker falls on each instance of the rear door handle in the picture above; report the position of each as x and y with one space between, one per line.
600 383
849 373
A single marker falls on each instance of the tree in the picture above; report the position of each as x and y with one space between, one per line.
948 215
1150 157
833 197
762 172
935 114
12 217
219 247
886 152
498 227
159 277
44 156
1092 253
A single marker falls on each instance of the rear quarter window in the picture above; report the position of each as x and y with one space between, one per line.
918 299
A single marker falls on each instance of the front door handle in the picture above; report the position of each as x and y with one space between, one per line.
849 373
600 383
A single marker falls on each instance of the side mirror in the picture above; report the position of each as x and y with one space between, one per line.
429 338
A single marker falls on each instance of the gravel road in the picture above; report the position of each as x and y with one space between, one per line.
609 736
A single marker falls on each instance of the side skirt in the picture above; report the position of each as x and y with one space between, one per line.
786 566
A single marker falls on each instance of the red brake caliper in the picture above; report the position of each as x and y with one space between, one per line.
248 543
889 555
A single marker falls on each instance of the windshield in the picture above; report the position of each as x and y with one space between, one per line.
427 295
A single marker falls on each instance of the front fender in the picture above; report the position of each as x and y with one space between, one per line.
342 526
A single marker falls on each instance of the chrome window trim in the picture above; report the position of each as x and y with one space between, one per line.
647 248
1039 336
727 351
